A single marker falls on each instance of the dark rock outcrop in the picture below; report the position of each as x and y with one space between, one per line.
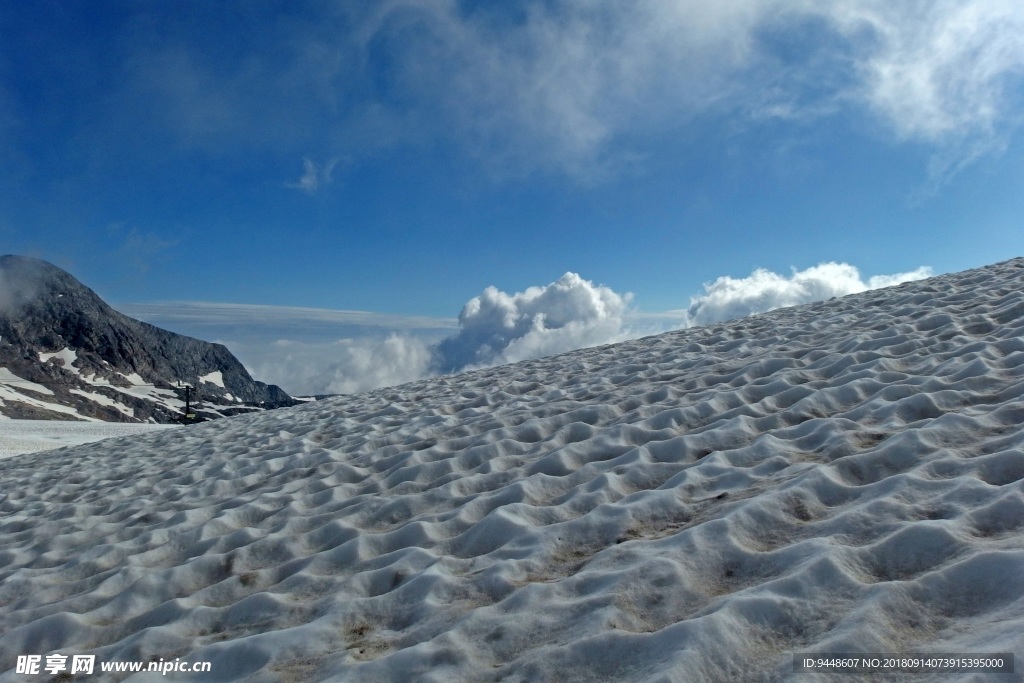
44 310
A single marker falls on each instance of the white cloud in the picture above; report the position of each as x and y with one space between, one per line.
556 87
313 176
880 281
308 350
497 327
937 69
366 366
8 293
945 73
727 298
568 82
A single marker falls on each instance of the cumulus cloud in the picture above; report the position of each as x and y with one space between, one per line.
880 281
496 327
727 298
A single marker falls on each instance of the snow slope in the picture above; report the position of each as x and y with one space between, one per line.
846 476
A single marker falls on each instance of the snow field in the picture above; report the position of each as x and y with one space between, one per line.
28 436
846 476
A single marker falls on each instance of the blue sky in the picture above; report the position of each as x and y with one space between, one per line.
399 157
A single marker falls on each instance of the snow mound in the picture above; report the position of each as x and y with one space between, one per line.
846 476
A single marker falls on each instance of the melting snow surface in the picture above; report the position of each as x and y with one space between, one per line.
698 506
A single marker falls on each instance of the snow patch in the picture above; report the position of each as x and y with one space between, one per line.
215 377
69 356
104 401
15 383
8 394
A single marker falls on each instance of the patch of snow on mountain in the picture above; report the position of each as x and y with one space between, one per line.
13 388
215 377
845 476
164 397
69 356
14 383
104 401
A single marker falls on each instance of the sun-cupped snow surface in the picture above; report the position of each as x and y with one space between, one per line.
841 477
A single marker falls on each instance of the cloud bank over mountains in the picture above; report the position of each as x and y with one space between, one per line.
496 327
346 366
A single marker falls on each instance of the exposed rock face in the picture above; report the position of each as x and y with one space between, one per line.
81 354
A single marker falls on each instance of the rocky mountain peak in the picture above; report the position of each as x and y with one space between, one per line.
59 335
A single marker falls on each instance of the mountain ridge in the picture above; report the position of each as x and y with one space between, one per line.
59 335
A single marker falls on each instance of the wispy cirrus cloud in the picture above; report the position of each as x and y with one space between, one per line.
945 74
578 88
568 85
138 248
314 176
226 320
